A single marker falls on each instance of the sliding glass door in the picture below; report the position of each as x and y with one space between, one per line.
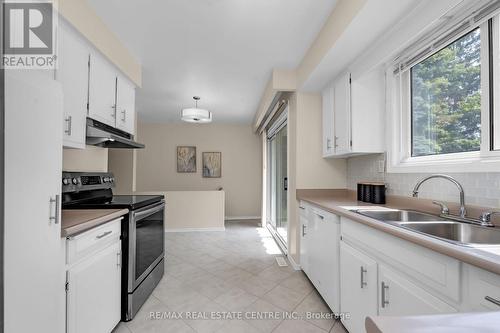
278 180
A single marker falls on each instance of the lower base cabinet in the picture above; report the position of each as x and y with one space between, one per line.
94 292
358 280
400 297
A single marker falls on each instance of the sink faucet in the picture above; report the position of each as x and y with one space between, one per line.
463 211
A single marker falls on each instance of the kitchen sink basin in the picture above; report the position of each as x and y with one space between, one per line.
399 215
459 233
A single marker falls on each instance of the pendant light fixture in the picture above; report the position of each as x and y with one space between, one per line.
196 115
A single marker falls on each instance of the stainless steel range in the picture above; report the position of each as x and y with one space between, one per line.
142 232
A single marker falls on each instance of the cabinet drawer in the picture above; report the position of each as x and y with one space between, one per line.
483 290
324 215
93 240
303 209
424 266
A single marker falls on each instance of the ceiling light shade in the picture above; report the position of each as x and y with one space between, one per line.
196 115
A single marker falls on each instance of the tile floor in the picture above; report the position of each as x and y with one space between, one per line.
231 272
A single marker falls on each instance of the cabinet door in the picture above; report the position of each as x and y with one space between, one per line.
342 115
327 96
400 297
313 249
73 73
34 250
358 282
304 246
125 105
328 258
482 291
93 297
102 90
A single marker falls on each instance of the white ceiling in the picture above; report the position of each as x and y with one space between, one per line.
221 50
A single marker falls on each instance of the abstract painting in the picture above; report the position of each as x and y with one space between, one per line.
212 164
186 159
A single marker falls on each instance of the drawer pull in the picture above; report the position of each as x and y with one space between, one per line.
302 207
320 216
384 301
104 234
304 230
492 300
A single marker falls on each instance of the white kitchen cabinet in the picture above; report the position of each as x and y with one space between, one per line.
398 296
482 290
342 115
327 97
358 282
125 105
102 90
322 254
33 248
304 251
94 287
73 73
353 114
327 246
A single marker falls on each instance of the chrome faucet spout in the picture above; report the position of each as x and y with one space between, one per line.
463 211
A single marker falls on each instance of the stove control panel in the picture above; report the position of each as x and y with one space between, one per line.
85 181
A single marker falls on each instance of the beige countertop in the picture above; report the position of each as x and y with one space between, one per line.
342 202
75 221
479 322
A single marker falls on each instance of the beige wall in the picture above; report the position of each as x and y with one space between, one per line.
241 162
90 159
193 210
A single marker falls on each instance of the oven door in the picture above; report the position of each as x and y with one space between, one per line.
146 242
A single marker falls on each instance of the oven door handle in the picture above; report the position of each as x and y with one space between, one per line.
142 214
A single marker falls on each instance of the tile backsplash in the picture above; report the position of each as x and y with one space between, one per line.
482 189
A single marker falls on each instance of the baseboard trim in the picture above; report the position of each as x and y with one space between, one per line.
195 229
295 266
235 218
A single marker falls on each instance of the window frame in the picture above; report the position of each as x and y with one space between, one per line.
399 138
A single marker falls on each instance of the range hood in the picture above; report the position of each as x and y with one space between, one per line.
102 135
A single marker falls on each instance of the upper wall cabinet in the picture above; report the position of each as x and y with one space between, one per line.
92 87
102 90
73 74
353 115
125 105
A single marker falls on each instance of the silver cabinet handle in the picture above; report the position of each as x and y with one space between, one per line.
54 201
68 129
304 230
384 301
118 259
320 216
113 114
124 113
492 300
363 271
302 207
328 144
104 234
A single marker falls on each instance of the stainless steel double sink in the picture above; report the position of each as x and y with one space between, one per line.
460 233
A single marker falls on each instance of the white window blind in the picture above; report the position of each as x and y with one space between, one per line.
463 18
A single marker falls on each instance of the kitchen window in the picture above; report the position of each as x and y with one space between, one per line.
446 99
444 105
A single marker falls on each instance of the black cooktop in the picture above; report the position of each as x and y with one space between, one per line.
132 202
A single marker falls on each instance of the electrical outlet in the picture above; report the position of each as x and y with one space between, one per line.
381 166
